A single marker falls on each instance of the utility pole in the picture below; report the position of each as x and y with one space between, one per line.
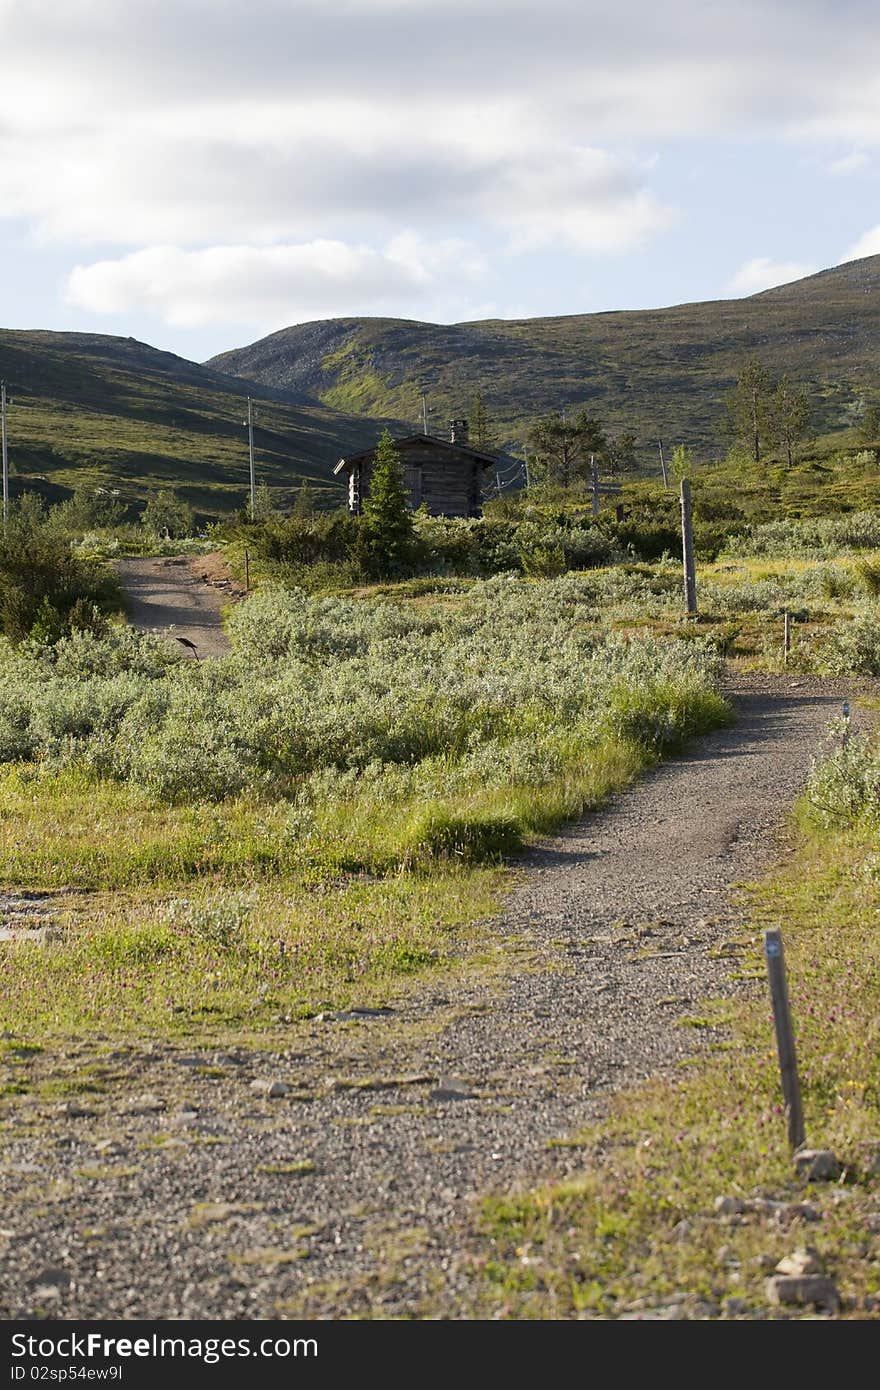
424 414
526 464
250 425
663 464
687 549
594 484
5 455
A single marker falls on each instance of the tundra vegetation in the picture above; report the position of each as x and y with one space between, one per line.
688 1196
323 816
364 752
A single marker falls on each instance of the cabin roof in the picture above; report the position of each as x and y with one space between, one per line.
413 441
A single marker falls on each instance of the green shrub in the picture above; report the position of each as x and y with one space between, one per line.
845 787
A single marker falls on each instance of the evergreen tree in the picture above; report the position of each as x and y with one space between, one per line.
305 500
789 416
386 540
481 426
748 407
562 446
621 453
869 425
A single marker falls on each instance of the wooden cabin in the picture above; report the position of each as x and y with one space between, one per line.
443 475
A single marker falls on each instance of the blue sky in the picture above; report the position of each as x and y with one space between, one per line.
198 173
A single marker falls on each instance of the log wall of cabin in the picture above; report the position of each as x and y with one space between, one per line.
447 483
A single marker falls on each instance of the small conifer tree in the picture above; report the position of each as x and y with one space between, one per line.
387 542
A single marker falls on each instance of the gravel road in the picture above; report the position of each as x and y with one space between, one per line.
169 596
184 1190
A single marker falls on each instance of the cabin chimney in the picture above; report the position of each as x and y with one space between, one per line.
458 431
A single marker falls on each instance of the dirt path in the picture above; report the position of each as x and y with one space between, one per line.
184 1190
170 596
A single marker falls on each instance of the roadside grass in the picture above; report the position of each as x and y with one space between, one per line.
223 964
72 830
200 918
639 1231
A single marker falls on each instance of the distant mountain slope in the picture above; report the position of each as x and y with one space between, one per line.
117 413
662 372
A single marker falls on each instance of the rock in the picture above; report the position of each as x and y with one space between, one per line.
797 1211
800 1262
681 1231
730 1206
52 1277
108 1147
817 1165
272 1089
783 1213
815 1289
146 1104
451 1088
73 1111
735 1307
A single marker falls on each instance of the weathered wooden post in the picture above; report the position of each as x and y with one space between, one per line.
791 1090
687 548
786 636
247 570
594 483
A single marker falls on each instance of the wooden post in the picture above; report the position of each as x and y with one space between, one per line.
786 636
687 549
247 570
791 1090
594 483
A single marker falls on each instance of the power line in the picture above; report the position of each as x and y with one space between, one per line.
5 454
250 430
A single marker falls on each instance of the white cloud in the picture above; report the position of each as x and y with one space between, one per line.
584 199
269 286
187 122
762 273
867 245
850 163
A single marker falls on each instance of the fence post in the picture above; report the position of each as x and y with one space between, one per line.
791 1090
687 548
786 636
247 570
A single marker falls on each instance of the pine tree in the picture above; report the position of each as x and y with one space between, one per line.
869 425
386 541
304 505
482 430
748 406
789 416
562 447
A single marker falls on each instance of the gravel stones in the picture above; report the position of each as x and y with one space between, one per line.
541 1045
817 1165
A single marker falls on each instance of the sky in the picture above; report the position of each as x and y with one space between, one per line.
199 173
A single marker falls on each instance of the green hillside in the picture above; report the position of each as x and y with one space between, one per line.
117 413
661 372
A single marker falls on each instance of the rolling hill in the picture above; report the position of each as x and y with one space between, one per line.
662 372
116 413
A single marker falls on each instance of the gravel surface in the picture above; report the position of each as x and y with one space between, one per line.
178 596
190 1189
